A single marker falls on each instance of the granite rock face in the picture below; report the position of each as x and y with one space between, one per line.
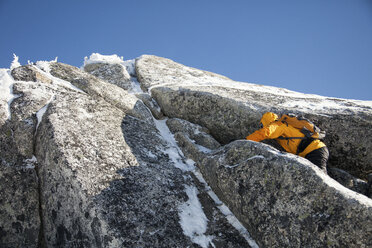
156 71
232 110
29 73
20 223
89 161
199 134
20 209
112 73
94 169
286 201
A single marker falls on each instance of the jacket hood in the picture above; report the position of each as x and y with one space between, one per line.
268 118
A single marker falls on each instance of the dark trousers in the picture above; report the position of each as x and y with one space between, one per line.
319 157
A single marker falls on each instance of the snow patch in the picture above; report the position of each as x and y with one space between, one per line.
326 104
128 65
226 211
99 58
193 220
173 151
30 163
136 87
203 149
151 155
44 68
41 112
15 62
45 65
95 58
6 89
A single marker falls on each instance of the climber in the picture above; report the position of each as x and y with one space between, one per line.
292 140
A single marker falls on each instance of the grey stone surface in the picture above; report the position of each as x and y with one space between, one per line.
106 177
189 148
112 73
19 207
152 105
101 89
232 110
370 185
32 97
103 176
154 71
80 150
19 214
107 182
286 201
349 181
29 73
200 135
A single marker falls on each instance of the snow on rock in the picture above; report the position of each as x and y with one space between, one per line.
132 174
193 219
113 69
6 93
30 163
109 156
173 151
44 68
41 112
15 62
45 65
99 58
226 211
111 59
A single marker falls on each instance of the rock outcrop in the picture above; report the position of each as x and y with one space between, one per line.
102 173
87 160
112 73
232 110
285 201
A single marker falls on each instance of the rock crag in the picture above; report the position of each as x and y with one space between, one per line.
90 160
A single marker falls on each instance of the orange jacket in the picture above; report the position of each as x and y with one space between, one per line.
274 130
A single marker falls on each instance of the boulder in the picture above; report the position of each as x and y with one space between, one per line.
232 110
29 73
156 71
200 135
112 73
286 201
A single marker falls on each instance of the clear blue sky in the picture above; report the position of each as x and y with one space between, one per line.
319 46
